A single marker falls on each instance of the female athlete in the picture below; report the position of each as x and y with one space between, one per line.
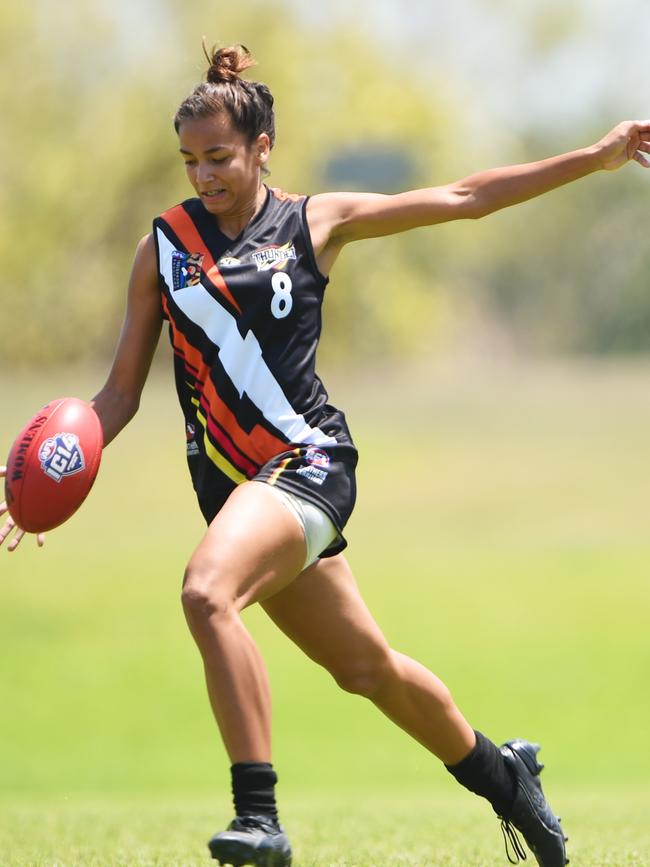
239 273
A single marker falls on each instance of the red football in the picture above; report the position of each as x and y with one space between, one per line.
52 464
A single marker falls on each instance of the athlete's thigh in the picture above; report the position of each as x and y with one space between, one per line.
252 549
323 612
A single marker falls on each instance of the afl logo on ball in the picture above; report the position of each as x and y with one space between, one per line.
61 456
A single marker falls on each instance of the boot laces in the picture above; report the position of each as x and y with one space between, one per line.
513 843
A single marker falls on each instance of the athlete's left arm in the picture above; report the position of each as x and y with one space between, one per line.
338 218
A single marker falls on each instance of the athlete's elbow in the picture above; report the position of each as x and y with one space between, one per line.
480 207
468 203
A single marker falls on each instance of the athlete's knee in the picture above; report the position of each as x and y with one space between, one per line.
365 674
204 596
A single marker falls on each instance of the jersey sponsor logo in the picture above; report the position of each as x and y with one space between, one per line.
186 269
313 474
274 256
317 457
228 262
61 456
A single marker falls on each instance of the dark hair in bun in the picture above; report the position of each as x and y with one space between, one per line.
248 103
226 64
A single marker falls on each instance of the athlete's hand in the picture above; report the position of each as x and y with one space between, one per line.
627 141
10 525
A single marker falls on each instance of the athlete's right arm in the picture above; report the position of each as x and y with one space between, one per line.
119 399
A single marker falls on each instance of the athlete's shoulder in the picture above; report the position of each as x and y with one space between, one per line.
282 196
188 206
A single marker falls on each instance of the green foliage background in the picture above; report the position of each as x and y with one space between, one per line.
88 157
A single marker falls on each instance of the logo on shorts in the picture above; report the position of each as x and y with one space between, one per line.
61 456
190 434
313 474
274 256
317 457
186 269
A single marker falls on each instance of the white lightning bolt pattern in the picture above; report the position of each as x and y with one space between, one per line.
240 356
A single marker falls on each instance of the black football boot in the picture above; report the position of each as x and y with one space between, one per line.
256 840
530 813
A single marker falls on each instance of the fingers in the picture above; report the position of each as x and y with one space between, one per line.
642 147
15 542
630 140
635 135
8 526
640 126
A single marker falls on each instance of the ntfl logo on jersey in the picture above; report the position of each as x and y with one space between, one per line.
317 457
186 269
317 463
274 256
190 435
61 456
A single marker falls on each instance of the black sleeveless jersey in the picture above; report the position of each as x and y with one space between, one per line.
245 320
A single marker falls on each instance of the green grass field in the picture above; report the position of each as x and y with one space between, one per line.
343 829
502 537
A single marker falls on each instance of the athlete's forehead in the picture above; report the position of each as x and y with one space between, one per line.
216 147
208 134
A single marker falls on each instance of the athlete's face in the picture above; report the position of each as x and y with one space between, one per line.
222 165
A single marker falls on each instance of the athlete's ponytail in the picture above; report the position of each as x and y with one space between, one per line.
248 103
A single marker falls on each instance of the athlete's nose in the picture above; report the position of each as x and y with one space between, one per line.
204 173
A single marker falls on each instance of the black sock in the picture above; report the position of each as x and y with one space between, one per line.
485 773
253 785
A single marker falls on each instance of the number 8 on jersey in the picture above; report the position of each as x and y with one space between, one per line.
282 301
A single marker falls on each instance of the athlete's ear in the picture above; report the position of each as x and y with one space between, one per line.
262 148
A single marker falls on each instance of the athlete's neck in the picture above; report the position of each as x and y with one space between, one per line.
234 223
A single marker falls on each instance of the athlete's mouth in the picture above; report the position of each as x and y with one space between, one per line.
211 193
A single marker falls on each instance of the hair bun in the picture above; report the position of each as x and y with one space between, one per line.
226 64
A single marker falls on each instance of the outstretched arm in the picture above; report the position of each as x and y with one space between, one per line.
336 219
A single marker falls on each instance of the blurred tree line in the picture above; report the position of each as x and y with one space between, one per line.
89 157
